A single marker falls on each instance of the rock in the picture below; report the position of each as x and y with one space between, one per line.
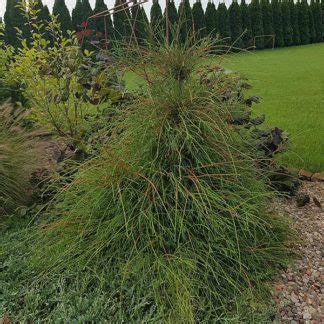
307 316
317 177
302 199
305 175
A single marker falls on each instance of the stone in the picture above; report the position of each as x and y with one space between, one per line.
305 175
317 177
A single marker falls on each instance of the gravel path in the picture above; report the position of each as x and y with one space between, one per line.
299 292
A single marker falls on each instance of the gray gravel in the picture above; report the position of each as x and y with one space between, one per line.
299 290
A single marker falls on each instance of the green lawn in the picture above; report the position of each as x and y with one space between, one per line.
291 84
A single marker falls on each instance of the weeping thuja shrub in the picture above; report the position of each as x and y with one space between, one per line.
18 159
170 222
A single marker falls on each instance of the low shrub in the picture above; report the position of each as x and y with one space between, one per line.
168 224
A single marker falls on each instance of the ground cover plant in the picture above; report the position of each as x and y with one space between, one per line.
290 82
168 223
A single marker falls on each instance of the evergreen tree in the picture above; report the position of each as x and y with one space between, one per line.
99 24
223 23
246 24
60 9
294 22
312 31
185 20
316 10
122 21
303 20
322 11
13 18
287 29
157 20
267 22
173 19
77 15
86 12
211 19
235 19
256 23
199 19
277 23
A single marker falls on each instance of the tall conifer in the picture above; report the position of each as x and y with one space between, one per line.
246 24
211 19
122 21
77 18
286 23
173 19
256 23
277 23
294 22
185 20
312 31
199 19
223 23
157 20
267 22
316 10
303 20
235 18
60 9
13 18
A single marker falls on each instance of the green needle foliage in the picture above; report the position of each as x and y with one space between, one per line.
312 30
294 22
316 11
63 15
185 20
77 18
235 18
169 224
246 24
157 23
287 29
223 23
267 22
211 19
199 20
173 20
257 23
277 23
303 20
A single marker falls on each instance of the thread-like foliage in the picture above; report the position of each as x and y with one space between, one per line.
169 223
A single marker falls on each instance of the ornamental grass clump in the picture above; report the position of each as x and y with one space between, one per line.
18 159
170 222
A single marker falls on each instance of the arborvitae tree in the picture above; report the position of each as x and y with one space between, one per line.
13 18
223 23
303 20
77 15
99 23
235 18
267 22
185 20
316 10
60 9
86 10
156 20
211 19
287 29
277 23
294 22
256 23
322 11
246 24
122 21
312 31
199 19
173 19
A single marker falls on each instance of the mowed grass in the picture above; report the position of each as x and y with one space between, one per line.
291 84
